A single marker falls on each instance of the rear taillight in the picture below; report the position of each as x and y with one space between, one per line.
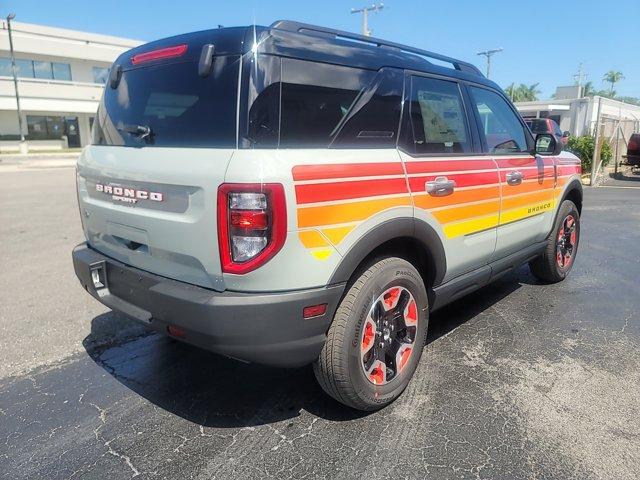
252 224
633 143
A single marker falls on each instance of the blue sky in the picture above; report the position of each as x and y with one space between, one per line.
543 41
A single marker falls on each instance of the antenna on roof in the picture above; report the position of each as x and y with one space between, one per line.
376 7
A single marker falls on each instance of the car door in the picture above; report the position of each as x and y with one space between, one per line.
526 180
454 187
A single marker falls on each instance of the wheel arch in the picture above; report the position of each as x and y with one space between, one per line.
414 240
574 193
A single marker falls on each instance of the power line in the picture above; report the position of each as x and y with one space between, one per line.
489 54
376 7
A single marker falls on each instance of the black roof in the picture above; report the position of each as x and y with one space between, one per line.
299 40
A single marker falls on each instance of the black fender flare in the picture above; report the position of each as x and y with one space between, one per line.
574 185
403 227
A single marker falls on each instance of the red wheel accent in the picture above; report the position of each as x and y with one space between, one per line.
369 333
388 335
411 313
566 242
403 357
377 375
391 297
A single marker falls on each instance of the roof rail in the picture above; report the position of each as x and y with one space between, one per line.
298 27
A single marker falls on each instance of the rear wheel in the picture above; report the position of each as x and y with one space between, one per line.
375 341
558 258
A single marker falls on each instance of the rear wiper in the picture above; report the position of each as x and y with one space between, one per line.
141 131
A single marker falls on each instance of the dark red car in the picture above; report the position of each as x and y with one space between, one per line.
546 125
633 150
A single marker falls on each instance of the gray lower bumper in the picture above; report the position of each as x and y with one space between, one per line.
265 328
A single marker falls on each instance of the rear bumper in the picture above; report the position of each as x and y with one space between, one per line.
265 328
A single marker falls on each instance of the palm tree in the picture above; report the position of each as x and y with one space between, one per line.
531 92
523 93
588 90
612 77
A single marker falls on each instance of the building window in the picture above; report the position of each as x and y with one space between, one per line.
43 70
24 68
100 75
45 128
36 69
61 71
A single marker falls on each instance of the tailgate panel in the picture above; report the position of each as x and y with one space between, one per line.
155 208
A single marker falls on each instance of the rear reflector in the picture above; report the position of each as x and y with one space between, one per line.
168 52
314 310
176 331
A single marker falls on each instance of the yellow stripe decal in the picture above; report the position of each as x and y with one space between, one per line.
509 216
473 225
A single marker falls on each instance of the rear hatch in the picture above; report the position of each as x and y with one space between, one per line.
163 137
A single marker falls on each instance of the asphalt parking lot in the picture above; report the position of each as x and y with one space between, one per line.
518 380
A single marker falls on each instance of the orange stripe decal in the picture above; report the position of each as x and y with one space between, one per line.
347 212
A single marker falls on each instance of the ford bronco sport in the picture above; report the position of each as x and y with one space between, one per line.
294 195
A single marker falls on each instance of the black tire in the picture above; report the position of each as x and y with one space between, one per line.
547 267
340 367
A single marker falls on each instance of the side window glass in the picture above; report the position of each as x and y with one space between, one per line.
501 127
263 107
374 118
316 97
438 119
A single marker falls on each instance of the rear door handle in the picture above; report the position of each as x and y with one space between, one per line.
514 178
440 187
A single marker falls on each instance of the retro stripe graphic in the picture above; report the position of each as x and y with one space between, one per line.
333 199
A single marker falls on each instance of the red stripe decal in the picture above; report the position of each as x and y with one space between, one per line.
325 192
337 170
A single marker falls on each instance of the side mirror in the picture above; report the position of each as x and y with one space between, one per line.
566 134
546 144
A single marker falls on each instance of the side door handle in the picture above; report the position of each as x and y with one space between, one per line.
440 187
514 178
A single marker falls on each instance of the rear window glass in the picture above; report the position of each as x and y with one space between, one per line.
170 105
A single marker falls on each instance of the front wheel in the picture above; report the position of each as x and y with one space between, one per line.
375 341
558 258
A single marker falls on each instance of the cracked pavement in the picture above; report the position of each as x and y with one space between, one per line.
518 380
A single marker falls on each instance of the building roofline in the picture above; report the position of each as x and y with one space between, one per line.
67 34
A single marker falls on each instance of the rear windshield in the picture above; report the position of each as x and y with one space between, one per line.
170 105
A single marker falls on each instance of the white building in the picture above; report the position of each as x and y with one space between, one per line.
579 115
61 76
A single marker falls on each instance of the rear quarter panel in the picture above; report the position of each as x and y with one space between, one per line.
333 198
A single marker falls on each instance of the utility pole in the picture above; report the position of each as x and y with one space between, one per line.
579 77
376 7
23 143
489 54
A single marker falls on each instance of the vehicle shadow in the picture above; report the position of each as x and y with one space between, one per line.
216 391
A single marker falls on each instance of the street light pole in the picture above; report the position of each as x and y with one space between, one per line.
365 16
489 54
23 143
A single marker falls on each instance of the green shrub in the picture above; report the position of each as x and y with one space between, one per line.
583 147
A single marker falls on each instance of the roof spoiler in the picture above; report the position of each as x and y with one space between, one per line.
298 27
